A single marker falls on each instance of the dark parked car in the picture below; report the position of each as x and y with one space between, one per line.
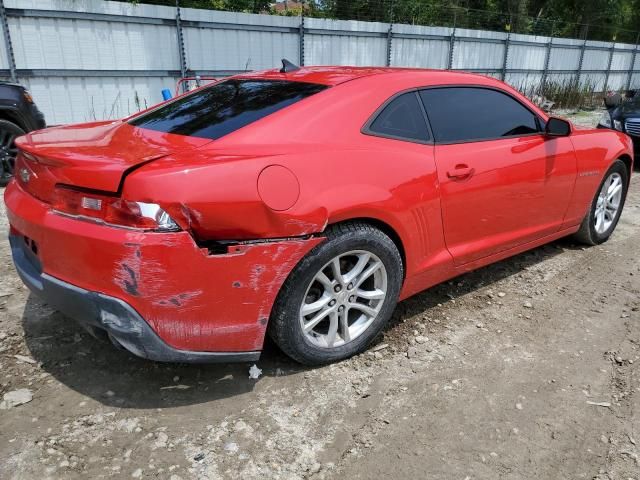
18 115
623 114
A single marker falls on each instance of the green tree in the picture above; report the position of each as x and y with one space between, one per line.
596 19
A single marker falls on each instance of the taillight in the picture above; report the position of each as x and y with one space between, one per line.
27 96
113 210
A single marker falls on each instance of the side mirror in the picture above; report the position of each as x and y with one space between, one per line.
557 127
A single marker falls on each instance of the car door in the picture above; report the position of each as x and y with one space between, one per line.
503 182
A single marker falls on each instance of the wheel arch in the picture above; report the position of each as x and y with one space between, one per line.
385 228
13 117
628 162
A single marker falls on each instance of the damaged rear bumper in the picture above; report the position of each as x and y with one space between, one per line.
117 318
179 297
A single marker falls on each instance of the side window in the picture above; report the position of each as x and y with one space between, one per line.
402 118
459 114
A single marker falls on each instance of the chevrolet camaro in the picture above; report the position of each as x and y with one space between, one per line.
302 203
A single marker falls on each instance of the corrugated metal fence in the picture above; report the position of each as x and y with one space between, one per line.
93 59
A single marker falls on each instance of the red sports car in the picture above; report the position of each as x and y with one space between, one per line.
302 202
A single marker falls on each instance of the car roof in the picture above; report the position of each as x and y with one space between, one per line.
335 75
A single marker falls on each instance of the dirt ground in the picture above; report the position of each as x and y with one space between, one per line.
527 369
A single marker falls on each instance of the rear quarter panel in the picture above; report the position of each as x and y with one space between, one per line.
389 181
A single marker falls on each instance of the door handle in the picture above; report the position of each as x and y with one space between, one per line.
460 172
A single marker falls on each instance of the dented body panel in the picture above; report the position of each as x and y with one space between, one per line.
192 300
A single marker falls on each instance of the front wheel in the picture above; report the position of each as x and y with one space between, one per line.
339 297
606 207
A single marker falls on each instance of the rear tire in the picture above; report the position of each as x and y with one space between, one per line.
8 133
606 207
321 316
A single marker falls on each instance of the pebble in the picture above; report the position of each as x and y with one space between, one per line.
161 440
382 346
519 406
422 339
501 294
24 359
16 398
619 359
137 473
255 372
527 305
231 447
480 325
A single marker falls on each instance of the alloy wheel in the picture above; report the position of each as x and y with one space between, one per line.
608 202
8 152
343 299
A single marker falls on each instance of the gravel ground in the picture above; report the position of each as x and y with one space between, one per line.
524 369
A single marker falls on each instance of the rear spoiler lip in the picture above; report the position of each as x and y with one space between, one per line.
125 173
36 158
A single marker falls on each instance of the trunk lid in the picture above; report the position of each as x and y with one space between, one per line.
95 156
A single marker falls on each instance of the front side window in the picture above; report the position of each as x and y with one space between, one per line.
401 118
225 107
462 114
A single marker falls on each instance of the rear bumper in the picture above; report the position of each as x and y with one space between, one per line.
178 301
117 318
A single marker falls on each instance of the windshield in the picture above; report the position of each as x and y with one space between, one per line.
225 107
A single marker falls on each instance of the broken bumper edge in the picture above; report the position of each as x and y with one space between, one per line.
115 317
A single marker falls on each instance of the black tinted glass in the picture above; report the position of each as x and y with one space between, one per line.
225 107
462 114
401 118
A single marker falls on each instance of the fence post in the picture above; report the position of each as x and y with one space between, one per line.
547 59
633 63
389 43
7 43
301 38
606 78
181 50
392 11
582 50
452 42
505 59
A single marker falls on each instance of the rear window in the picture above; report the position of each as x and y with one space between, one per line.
225 107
